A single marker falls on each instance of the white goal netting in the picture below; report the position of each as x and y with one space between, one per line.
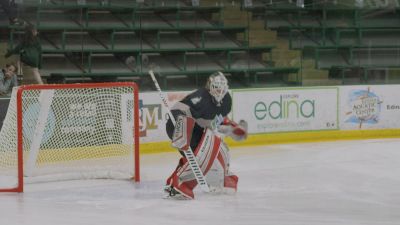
67 132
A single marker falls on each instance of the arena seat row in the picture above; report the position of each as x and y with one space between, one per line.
111 40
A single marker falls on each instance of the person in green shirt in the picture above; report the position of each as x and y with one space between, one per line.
30 53
8 79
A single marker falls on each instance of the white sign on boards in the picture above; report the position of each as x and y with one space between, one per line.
279 110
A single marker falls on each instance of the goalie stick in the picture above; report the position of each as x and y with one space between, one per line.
194 165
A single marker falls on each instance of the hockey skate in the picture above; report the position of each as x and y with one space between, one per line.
173 193
167 189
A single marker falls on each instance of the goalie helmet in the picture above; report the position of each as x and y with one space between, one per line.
217 85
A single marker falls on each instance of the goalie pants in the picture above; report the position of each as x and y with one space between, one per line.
210 152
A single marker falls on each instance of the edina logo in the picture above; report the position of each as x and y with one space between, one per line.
285 109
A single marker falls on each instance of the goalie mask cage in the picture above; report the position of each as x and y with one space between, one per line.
70 131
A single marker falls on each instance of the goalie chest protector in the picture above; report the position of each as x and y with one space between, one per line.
204 107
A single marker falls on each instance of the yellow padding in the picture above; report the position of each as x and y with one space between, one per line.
156 147
315 136
52 155
282 138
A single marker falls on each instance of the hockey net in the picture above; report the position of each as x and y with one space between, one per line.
70 131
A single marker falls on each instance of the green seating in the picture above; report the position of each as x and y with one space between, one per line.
95 40
344 38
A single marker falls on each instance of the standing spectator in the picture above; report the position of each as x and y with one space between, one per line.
8 79
30 52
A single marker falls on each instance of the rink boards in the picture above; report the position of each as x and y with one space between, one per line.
299 114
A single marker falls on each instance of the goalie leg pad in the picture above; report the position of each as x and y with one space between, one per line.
170 179
230 180
176 189
206 152
183 132
220 178
183 179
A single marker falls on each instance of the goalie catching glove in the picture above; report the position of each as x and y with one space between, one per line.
237 131
183 132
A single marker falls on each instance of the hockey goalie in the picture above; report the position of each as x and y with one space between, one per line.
201 123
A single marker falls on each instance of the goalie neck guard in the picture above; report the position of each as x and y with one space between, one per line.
217 85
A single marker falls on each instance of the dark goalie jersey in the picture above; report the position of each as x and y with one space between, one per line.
201 106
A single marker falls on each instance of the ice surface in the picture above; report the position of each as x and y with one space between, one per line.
347 183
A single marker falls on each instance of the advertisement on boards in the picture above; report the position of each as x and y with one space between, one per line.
369 107
153 115
279 110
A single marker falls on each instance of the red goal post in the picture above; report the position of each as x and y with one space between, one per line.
70 131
